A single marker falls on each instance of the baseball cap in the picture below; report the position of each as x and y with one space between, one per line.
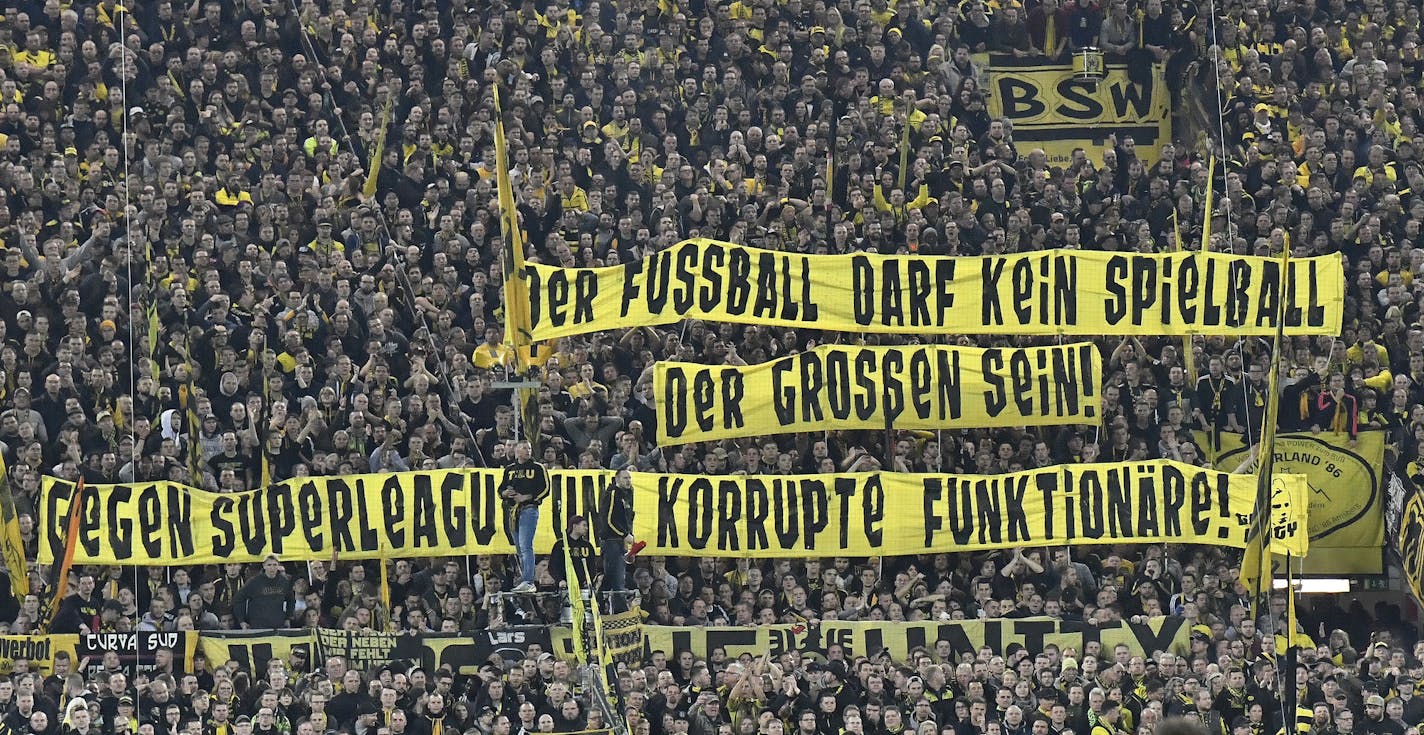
1374 700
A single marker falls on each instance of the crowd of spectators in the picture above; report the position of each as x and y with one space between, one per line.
199 284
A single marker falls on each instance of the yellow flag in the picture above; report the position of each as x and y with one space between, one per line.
516 295
1256 572
153 340
1189 361
369 188
11 545
1206 219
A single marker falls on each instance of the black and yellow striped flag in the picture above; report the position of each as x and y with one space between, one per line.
1256 572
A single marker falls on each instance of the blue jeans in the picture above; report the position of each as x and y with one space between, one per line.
615 566
527 524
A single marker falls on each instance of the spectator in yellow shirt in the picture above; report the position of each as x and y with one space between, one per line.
492 351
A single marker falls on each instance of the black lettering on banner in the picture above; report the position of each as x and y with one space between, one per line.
933 489
1201 504
1144 276
944 277
961 510
657 283
1017 521
1023 285
456 516
1033 632
765 305
921 379
536 300
1019 98
838 385
815 506
892 295
951 399
990 516
585 291
1188 288
683 298
484 509
1211 310
994 634
739 284
704 398
1147 496
631 272
1047 484
120 525
91 519
700 499
783 393
1138 97
733 390
282 519
252 523
1238 302
729 507
710 295
993 311
393 501
996 397
1119 505
673 401
1116 308
894 366
150 518
338 496
558 297
873 499
813 380
668 489
1090 506
786 500
365 516
1316 315
867 398
1174 495
1269 299
844 488
918 291
758 504
1021 375
309 507
863 290
1077 102
224 535
424 513
1159 638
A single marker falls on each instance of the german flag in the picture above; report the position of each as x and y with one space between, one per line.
60 577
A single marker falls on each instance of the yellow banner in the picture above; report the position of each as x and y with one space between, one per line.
1060 292
836 387
1051 108
1345 491
874 514
134 649
253 649
456 512
416 514
38 651
856 639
